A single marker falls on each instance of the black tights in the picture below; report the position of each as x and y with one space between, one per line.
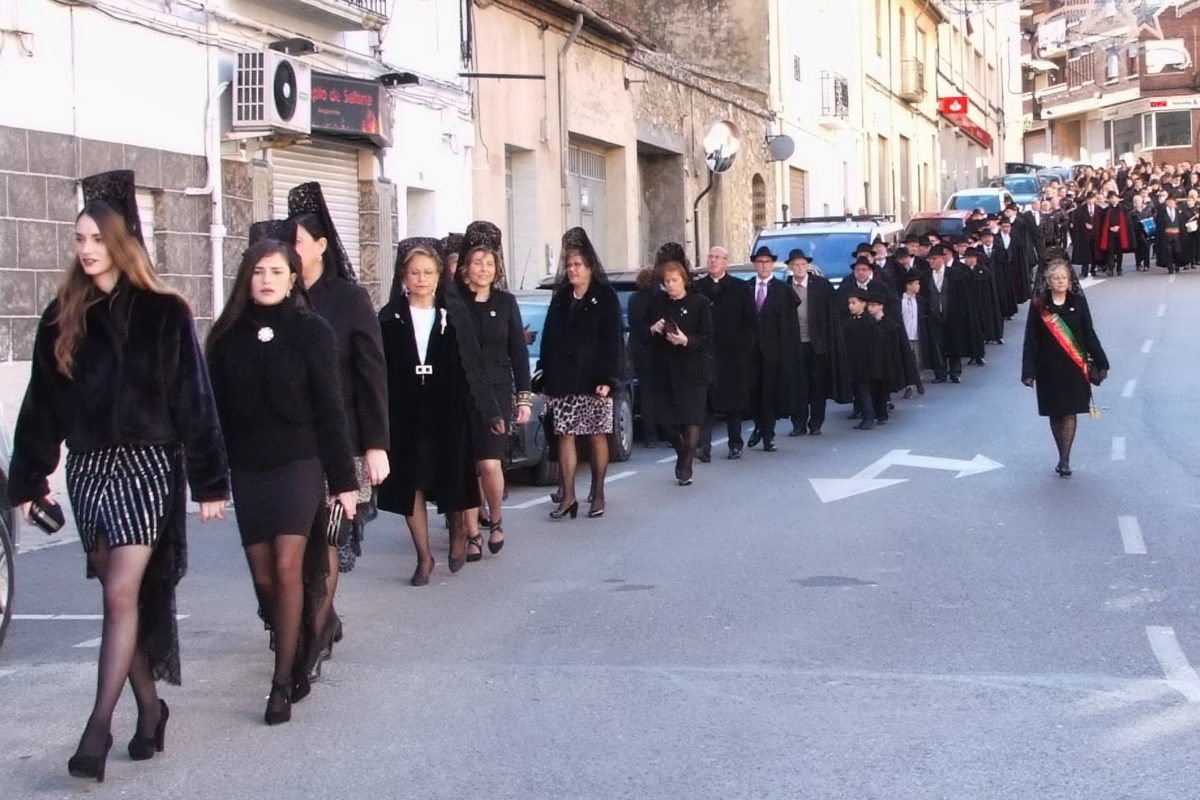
685 439
568 463
120 571
276 567
1063 429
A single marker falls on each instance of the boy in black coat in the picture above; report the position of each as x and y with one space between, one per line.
863 357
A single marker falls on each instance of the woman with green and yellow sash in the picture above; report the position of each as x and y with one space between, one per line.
1062 358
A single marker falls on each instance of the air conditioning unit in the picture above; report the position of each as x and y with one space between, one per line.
272 92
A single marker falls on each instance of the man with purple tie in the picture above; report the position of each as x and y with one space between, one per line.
774 359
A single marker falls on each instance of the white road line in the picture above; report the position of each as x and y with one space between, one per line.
1118 448
546 498
70 617
4 673
1179 673
1146 345
1162 309
89 643
34 547
1131 536
1130 386
666 460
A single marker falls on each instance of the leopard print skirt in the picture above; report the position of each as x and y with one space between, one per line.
582 414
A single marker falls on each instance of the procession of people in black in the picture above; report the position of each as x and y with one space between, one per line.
311 410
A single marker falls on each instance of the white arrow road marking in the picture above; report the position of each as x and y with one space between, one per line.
1180 675
868 480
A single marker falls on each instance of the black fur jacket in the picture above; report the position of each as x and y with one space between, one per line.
139 379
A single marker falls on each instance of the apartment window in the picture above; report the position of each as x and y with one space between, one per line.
1131 61
1167 129
1080 68
879 23
903 26
796 68
1112 64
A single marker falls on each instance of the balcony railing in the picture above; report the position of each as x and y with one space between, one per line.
343 15
835 96
912 80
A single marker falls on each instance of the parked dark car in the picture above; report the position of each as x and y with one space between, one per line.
943 223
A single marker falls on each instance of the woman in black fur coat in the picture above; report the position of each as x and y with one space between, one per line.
117 374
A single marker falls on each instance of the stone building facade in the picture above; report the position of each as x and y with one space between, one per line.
607 135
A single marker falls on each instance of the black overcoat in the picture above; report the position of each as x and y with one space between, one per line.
679 367
582 342
1083 239
735 326
347 308
1061 385
776 359
452 401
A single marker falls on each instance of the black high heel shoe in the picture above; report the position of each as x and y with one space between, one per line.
1063 469
420 578
495 527
90 767
301 684
596 509
279 714
477 542
572 511
144 747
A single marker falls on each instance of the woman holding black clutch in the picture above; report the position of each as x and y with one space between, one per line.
437 397
581 364
1062 358
117 373
275 377
506 361
678 330
335 294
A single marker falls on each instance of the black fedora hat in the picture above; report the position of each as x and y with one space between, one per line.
764 251
798 253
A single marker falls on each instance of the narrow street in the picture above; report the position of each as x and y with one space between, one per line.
1003 634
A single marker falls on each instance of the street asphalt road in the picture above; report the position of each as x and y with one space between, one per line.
996 635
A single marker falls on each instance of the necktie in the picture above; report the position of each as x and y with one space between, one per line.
760 296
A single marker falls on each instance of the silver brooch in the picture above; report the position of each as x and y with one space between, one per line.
265 334
685 311
593 301
491 313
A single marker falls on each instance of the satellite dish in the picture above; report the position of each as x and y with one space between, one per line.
721 145
781 147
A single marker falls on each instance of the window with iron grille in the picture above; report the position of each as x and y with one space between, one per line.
835 95
586 163
796 68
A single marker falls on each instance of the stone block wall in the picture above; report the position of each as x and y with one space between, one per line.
39 200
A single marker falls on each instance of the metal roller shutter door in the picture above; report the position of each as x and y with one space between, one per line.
335 167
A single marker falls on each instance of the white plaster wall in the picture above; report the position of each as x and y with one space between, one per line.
95 77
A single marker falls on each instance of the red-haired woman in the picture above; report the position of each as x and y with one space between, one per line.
117 373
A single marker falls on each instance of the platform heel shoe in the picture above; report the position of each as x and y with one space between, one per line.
571 511
144 747
90 767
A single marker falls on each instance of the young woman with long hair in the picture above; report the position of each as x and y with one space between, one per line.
336 295
437 396
506 359
117 374
275 378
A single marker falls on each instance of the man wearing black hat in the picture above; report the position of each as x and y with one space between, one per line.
983 286
815 317
862 277
950 328
774 360
1116 235
735 325
1085 226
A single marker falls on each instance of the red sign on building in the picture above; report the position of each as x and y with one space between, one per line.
956 110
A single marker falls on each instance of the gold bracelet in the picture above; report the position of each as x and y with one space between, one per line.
525 399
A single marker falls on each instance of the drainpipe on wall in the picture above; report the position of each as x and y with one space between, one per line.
562 120
212 153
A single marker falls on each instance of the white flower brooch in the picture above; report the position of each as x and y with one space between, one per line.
266 334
